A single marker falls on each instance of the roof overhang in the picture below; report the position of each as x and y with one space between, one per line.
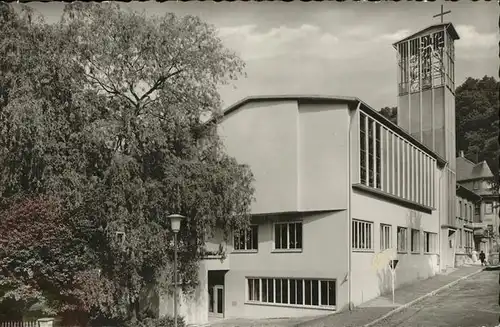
466 193
447 26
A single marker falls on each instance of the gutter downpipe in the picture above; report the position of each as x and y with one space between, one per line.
349 221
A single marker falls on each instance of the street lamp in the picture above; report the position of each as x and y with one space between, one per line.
175 223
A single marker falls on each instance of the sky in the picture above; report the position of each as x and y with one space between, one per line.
330 48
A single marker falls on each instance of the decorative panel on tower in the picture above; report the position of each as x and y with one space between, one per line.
425 76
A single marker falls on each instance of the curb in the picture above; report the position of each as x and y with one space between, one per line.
409 304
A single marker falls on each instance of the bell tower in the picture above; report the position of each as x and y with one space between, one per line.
426 87
426 104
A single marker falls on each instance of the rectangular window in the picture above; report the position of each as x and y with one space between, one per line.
402 239
385 237
430 242
362 147
401 167
284 291
415 241
378 156
247 240
488 208
370 151
253 289
371 173
418 172
362 235
288 236
460 208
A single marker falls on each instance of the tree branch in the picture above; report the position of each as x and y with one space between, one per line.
159 83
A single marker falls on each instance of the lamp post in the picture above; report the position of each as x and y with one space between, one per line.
175 223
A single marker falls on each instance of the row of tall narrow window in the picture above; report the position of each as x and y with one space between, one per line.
464 210
466 239
392 164
287 236
292 291
363 231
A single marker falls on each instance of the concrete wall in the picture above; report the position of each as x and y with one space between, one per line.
296 150
264 136
192 307
369 281
323 152
430 105
324 255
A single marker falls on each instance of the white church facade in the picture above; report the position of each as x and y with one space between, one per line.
340 191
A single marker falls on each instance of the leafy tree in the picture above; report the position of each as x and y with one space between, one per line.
477 113
390 113
104 117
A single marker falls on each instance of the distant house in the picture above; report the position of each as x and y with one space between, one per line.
477 177
466 201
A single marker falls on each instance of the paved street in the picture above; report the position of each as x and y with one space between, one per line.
470 303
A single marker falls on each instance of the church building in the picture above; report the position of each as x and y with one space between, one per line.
340 192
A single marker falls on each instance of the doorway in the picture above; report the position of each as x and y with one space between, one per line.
451 248
216 300
216 293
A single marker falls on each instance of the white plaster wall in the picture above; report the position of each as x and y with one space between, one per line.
368 281
323 152
324 255
194 307
263 135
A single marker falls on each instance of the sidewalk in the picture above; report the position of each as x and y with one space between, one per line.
364 314
380 306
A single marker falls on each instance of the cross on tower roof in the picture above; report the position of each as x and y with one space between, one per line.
442 13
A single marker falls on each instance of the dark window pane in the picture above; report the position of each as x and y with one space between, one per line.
284 290
284 236
255 237
315 292
241 240
307 292
220 300
291 244
256 290
248 239
293 291
250 289
355 239
298 229
270 290
277 297
300 291
277 236
264 290
324 293
332 299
